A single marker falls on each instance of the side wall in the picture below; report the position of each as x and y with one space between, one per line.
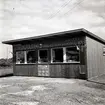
95 58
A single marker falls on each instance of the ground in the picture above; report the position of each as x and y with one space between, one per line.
99 79
50 91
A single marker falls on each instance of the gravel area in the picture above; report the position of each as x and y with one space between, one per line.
50 91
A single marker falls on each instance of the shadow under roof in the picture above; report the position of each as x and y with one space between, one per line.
87 33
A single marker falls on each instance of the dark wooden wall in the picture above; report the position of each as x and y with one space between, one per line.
65 70
56 70
95 58
26 70
49 43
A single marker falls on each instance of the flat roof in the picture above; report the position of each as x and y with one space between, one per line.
87 33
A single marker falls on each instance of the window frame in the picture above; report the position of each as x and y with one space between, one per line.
47 57
52 54
27 59
64 55
79 55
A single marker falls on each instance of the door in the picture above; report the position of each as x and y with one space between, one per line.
43 70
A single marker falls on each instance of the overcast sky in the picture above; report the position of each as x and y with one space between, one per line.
26 18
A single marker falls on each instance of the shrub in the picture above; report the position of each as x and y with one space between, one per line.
6 62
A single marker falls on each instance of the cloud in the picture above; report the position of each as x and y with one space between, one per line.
97 6
27 18
5 51
94 4
100 31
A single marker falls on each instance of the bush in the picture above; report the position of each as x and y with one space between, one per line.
6 62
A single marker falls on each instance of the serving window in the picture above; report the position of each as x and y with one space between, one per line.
72 54
57 55
25 57
20 57
31 57
43 56
65 55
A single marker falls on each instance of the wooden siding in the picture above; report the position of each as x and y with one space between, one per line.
67 71
95 58
56 70
26 70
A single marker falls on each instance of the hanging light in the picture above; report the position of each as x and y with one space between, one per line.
40 45
77 48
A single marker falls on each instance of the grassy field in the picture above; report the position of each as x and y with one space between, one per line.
6 71
50 91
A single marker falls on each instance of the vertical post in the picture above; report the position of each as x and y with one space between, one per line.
51 56
64 54
25 54
38 57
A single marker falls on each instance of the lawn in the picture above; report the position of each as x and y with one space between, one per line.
50 91
6 71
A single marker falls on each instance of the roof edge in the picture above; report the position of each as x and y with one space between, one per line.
90 34
41 36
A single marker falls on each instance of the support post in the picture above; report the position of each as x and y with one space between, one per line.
25 54
64 54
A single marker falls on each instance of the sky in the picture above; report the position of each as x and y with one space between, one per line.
26 18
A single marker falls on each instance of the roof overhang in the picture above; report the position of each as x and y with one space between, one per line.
58 34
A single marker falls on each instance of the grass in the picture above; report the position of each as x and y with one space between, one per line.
6 71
